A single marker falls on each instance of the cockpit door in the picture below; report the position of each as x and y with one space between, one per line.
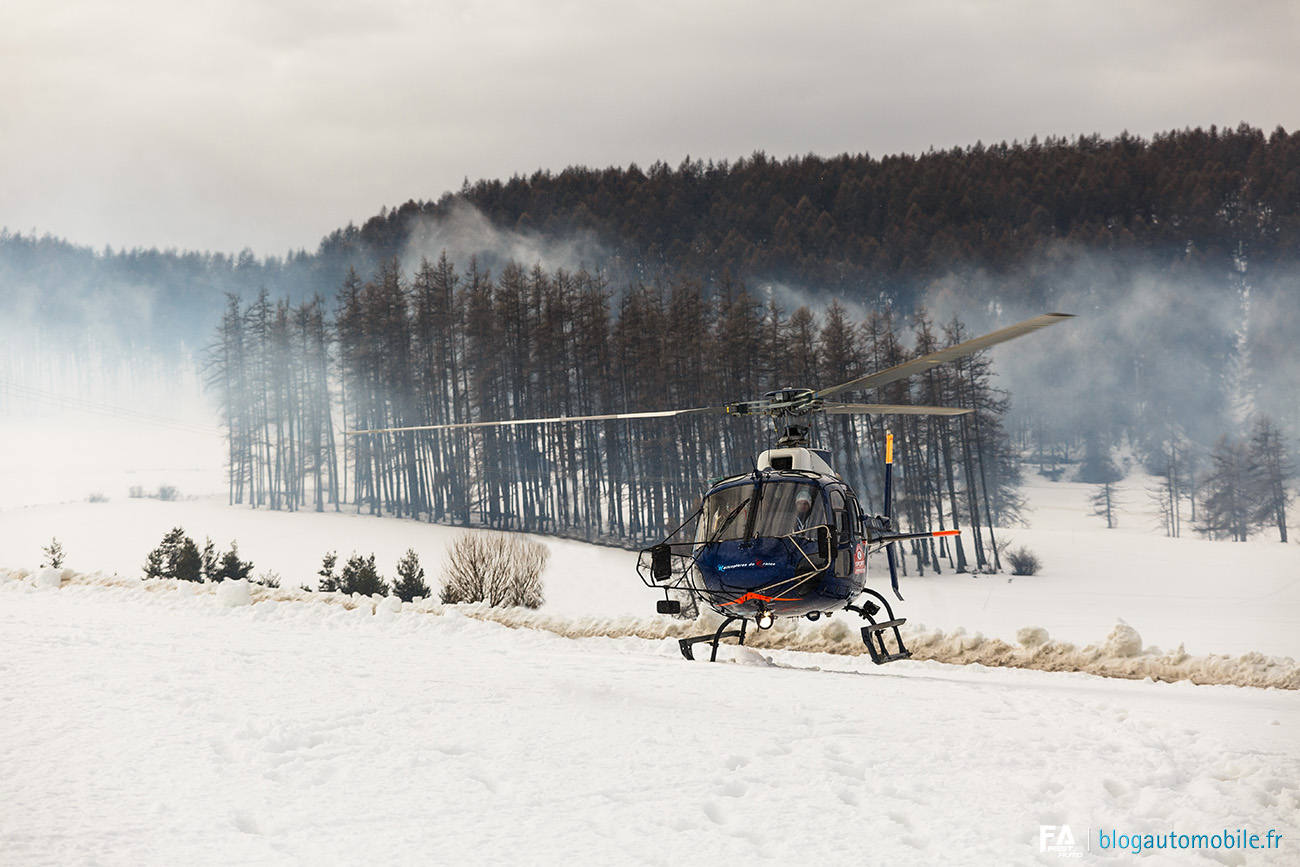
844 520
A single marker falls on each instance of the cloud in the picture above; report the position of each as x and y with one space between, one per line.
220 126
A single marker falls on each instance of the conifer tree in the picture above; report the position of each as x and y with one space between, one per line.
209 560
329 582
176 557
360 576
410 578
155 564
54 555
230 567
188 565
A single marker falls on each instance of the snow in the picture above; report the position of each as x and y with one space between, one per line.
154 727
171 723
235 593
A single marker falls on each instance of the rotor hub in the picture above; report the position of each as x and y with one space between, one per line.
779 404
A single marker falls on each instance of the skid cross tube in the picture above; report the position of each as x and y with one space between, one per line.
687 643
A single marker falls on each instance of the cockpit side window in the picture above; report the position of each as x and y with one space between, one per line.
840 515
855 514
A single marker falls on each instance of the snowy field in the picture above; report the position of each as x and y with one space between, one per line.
164 724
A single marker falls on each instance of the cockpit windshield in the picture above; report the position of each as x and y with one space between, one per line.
781 508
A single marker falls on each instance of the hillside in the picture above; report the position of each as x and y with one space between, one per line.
1193 203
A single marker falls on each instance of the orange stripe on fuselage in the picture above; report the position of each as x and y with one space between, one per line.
750 597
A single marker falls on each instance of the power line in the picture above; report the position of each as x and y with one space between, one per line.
67 402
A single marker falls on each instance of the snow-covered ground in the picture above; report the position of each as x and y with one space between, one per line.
167 728
165 724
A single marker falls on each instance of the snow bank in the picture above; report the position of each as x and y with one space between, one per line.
49 577
1121 654
234 594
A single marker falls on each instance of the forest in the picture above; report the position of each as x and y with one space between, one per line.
866 227
1193 203
439 346
564 292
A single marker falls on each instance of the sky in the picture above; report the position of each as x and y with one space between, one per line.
221 125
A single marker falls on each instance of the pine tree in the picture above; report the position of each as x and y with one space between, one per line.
176 557
155 564
188 563
53 554
410 578
209 558
329 582
360 576
230 567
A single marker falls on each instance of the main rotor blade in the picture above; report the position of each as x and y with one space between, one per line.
667 413
952 353
890 409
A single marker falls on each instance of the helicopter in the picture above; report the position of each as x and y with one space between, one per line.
788 538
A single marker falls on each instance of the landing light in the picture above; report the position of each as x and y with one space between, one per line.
764 620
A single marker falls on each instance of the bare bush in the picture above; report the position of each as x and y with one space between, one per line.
1023 561
500 569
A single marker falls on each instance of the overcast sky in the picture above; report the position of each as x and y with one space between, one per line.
223 124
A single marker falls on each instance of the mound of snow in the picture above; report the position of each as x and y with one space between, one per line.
1032 636
1123 641
234 593
48 577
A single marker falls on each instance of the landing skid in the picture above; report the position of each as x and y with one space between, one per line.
687 644
874 635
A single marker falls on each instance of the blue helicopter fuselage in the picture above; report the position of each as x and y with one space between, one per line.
786 542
